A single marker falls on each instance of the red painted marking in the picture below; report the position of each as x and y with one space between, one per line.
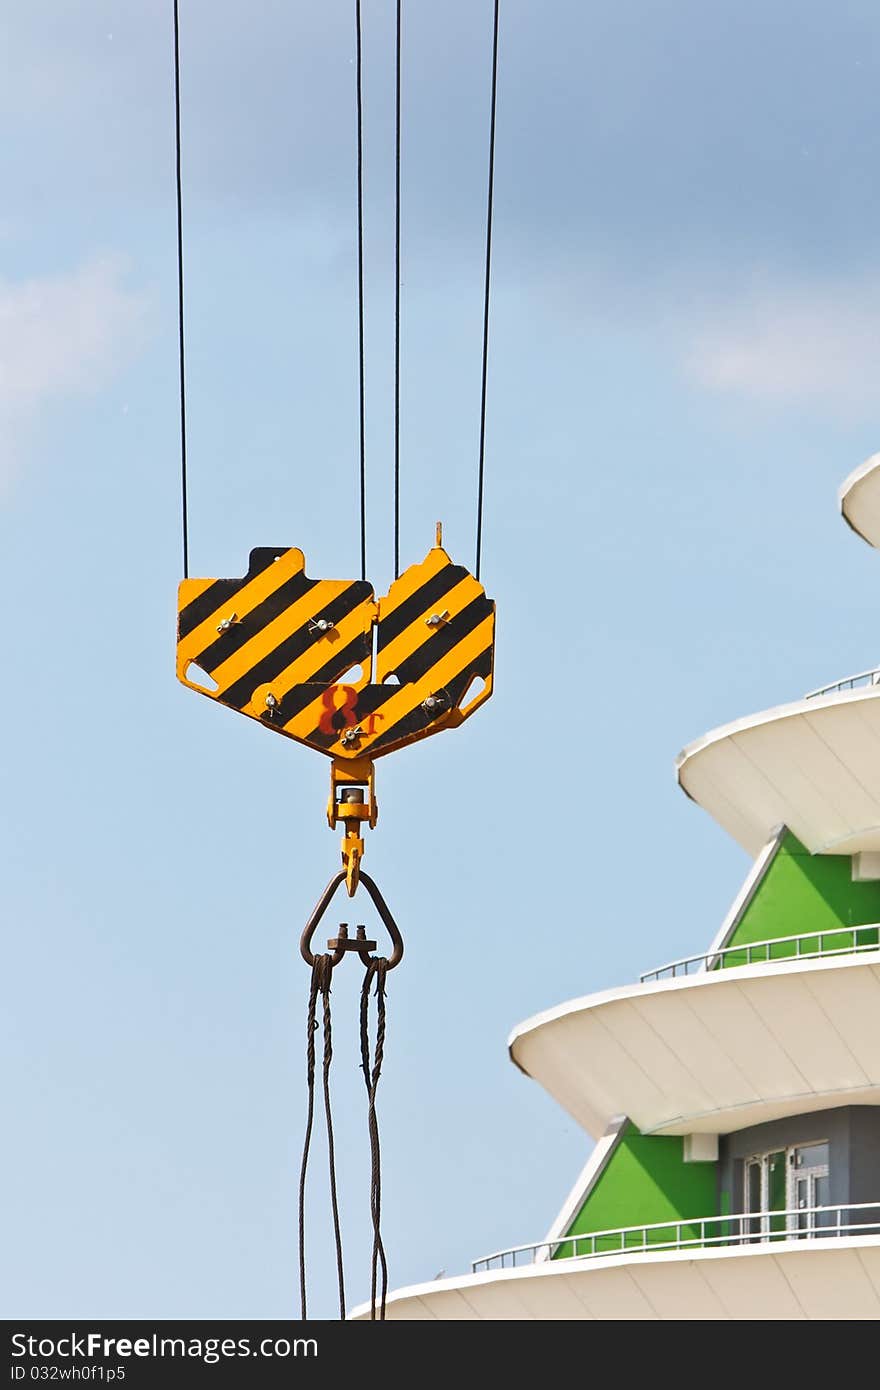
333 706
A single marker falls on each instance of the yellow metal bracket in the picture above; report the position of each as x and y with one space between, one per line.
349 807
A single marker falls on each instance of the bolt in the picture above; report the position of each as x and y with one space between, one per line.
226 623
435 704
352 794
321 625
437 618
351 736
271 701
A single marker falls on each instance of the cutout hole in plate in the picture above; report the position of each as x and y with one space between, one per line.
472 693
351 677
196 676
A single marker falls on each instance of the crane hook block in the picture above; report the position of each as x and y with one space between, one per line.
324 662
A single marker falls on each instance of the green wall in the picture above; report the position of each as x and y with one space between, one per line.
802 892
646 1179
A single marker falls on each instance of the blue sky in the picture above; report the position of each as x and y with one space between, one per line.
684 366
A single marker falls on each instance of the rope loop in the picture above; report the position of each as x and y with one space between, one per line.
322 975
376 969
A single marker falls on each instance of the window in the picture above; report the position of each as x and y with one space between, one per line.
810 1186
786 1186
766 1192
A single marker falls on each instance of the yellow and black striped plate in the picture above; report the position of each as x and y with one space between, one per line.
325 663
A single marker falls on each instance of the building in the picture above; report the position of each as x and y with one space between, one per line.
735 1096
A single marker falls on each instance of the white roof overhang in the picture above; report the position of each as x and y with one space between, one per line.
713 1052
813 765
859 498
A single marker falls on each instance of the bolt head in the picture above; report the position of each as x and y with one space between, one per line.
271 701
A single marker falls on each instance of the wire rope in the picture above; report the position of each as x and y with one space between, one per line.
481 470
360 241
397 141
181 352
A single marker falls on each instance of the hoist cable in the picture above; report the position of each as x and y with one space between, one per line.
180 318
331 1150
311 1025
397 296
322 971
360 239
377 970
488 280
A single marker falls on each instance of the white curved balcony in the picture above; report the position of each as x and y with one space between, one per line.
823 1278
813 765
859 498
714 1052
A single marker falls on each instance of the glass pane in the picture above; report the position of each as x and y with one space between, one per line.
776 1189
753 1186
822 1198
776 1182
802 1202
812 1156
753 1195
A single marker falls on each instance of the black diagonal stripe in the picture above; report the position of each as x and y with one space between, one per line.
373 697
276 661
296 699
427 596
223 589
219 649
442 640
417 719
207 603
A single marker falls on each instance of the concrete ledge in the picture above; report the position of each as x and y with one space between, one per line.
824 1279
714 1052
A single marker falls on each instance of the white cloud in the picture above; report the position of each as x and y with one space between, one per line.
64 335
817 343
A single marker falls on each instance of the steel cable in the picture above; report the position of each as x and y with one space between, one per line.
488 280
311 1026
322 972
180 317
331 1151
360 240
397 293
377 970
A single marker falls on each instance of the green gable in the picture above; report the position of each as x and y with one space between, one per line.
645 1180
801 893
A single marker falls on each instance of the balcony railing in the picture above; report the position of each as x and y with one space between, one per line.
696 1233
848 683
836 941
